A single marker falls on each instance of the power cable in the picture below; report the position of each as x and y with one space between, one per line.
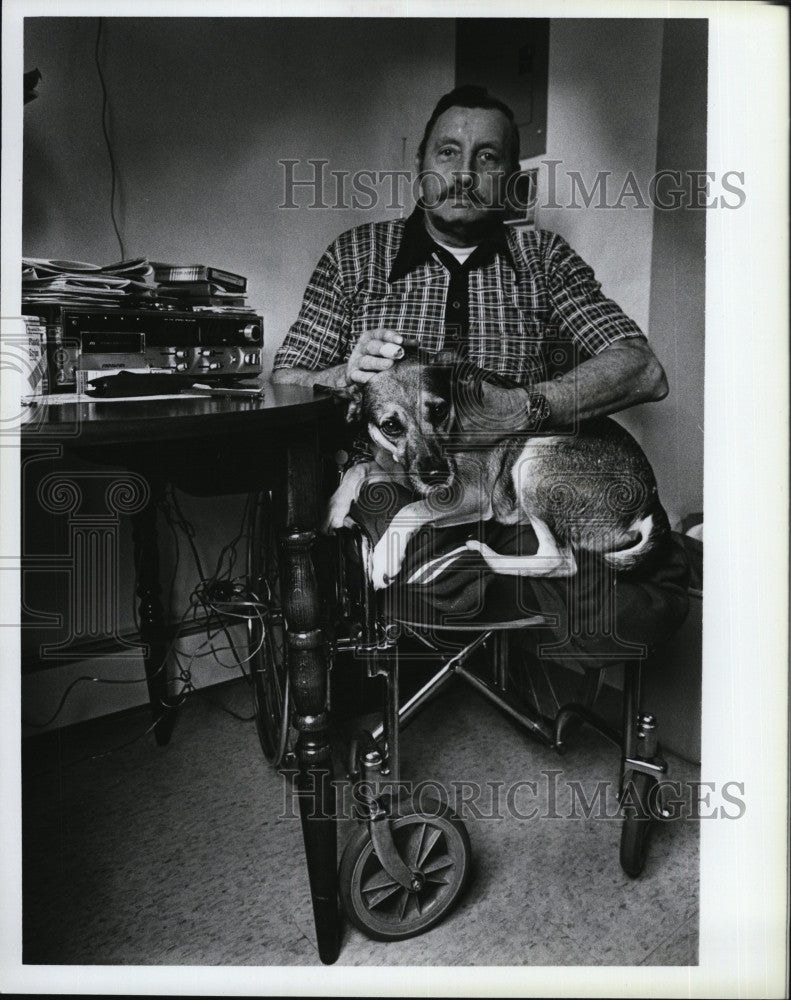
113 171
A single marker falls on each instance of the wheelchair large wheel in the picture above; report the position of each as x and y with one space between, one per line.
435 844
637 825
267 636
269 675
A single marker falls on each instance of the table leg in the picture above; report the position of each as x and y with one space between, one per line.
154 632
308 673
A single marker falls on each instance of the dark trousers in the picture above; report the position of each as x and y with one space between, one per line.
593 618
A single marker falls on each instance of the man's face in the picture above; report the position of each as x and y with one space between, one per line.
465 166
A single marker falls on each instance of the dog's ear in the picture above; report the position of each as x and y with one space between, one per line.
352 395
412 352
355 407
450 356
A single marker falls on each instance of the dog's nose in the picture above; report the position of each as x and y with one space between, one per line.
432 475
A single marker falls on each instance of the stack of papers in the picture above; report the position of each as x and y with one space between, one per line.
200 287
73 282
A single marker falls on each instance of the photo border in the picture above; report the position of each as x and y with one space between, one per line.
744 873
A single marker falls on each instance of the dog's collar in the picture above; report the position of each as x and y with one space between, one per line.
417 247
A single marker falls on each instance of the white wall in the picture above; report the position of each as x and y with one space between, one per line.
673 430
200 112
630 96
602 114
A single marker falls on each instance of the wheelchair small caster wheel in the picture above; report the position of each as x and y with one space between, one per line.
637 825
435 844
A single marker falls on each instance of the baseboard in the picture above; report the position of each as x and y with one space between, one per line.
124 686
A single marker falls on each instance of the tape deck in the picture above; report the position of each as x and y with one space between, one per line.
81 341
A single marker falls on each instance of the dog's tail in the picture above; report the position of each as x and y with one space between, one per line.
650 531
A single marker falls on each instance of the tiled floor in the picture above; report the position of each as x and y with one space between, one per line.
176 855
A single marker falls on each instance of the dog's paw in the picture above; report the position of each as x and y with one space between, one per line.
379 578
340 503
386 560
379 569
336 516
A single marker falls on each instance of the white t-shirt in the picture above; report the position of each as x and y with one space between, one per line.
460 253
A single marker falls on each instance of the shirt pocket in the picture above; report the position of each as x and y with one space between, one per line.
557 353
418 311
528 350
515 351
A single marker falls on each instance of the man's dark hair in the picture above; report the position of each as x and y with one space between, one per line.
471 96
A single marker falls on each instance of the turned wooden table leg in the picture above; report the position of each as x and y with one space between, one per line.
154 631
308 668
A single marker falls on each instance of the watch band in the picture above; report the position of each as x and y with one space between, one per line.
539 413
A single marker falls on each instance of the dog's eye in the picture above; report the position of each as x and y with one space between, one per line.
438 412
392 427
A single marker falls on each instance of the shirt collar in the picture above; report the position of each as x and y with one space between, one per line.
417 247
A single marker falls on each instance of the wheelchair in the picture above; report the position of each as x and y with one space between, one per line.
407 863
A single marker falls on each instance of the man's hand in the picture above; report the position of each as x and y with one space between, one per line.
623 374
375 351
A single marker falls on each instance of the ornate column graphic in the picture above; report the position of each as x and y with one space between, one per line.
94 502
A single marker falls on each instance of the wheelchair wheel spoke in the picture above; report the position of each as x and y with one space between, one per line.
379 880
437 880
549 684
418 836
427 845
406 899
533 692
439 864
382 894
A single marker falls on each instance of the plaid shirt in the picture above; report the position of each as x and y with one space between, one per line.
535 308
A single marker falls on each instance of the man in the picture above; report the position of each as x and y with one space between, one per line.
386 271
521 304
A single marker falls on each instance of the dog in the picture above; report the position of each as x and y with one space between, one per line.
454 434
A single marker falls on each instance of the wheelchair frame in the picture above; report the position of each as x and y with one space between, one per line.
377 755
376 641
380 859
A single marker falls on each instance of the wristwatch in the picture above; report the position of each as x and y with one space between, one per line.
539 412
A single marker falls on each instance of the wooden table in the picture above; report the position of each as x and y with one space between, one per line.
218 446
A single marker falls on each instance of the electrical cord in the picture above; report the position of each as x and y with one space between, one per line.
186 527
119 746
171 650
107 139
67 692
199 600
203 595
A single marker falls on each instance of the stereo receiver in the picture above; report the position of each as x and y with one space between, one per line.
214 347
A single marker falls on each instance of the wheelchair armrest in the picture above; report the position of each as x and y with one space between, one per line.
358 539
353 554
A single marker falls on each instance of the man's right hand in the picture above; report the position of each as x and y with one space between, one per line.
375 351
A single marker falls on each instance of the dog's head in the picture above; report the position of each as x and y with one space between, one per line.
421 407
408 411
